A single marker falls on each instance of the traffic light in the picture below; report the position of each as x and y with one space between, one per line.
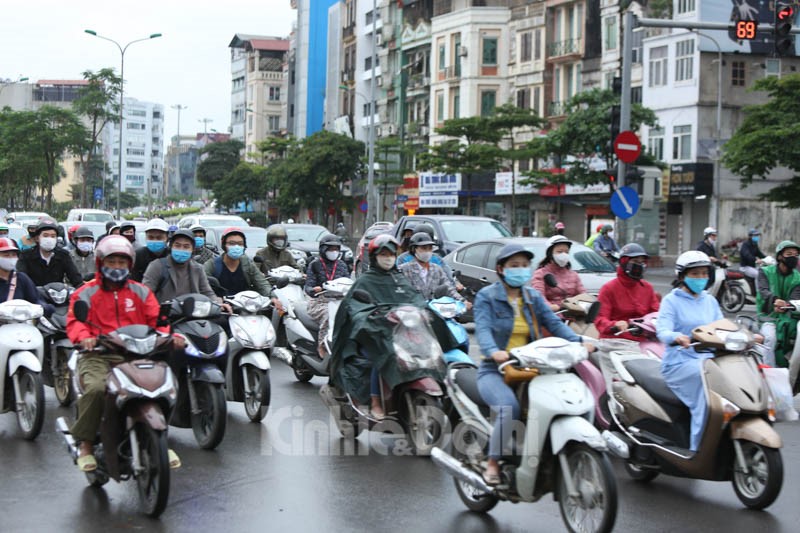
784 20
614 124
612 180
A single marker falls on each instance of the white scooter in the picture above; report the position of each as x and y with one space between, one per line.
288 288
559 449
21 356
251 340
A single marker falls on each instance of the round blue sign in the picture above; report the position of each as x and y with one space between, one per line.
624 202
363 206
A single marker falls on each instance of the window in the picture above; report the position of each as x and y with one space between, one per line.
685 6
442 57
636 95
525 46
250 122
682 143
274 122
537 45
737 73
658 66
134 126
610 33
473 255
537 94
439 106
274 94
524 98
133 151
456 103
156 114
636 44
488 102
489 51
655 143
137 113
134 164
773 67
684 60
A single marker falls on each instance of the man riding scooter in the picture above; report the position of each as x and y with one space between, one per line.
276 253
327 267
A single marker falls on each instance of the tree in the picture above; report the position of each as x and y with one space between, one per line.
769 138
246 182
219 161
392 155
21 164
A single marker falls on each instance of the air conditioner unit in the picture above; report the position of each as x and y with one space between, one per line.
390 129
379 39
378 131
379 81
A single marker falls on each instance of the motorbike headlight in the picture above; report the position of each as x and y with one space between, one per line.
58 297
139 346
223 344
201 309
252 306
736 341
445 310
240 334
191 349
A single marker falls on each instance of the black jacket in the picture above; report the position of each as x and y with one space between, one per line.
60 269
749 252
318 271
143 258
707 249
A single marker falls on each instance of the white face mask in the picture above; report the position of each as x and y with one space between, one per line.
86 247
386 262
279 243
424 256
712 240
561 259
8 263
332 255
610 234
47 244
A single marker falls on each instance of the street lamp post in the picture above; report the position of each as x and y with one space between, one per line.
122 50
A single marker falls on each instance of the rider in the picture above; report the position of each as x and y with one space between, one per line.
275 253
751 255
627 296
47 263
605 244
13 284
685 308
83 252
234 270
341 232
202 251
560 228
155 247
709 245
3 230
508 314
436 259
27 242
776 285
114 301
590 241
556 262
328 266
128 230
422 272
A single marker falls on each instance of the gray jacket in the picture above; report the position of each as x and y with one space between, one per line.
175 282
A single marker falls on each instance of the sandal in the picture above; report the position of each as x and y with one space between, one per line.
87 463
377 415
174 460
491 479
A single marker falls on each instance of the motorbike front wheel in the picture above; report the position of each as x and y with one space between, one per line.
209 424
732 298
427 424
760 485
62 383
256 404
30 414
153 479
594 506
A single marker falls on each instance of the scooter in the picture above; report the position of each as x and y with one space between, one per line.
559 450
748 284
140 396
645 327
58 347
728 289
738 442
21 355
414 406
288 288
251 341
201 399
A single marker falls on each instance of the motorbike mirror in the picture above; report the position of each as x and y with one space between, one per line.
440 291
216 287
258 259
550 280
766 308
188 307
81 311
281 282
591 314
362 296
163 314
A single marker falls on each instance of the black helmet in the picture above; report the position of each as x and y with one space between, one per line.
420 239
383 241
632 250
424 227
82 233
185 233
46 223
110 224
276 231
127 225
327 241
510 250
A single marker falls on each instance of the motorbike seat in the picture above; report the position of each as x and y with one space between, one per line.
647 373
302 315
467 381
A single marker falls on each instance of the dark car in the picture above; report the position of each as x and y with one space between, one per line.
452 231
306 237
361 260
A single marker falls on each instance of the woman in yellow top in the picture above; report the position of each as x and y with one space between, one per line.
508 314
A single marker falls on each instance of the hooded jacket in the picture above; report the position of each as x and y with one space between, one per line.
624 298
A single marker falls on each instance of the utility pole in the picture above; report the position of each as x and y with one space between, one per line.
371 200
205 122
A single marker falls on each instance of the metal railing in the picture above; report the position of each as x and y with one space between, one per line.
564 48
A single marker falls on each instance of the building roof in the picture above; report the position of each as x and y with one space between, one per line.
62 82
240 40
279 45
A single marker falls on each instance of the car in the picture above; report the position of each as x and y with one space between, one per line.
361 259
89 215
306 237
451 231
16 232
210 221
24 217
474 263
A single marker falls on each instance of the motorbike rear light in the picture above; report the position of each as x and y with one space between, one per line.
771 410
733 275
729 411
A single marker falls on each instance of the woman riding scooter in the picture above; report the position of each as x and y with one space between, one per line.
556 262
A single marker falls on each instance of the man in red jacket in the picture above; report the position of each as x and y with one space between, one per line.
628 296
114 301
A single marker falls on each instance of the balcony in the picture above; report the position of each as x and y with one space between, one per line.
348 32
567 47
348 75
451 73
556 109
418 81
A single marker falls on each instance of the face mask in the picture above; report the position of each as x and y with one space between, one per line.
279 243
790 262
115 275
156 246
756 238
130 238
635 270
181 256
517 277
424 256
712 240
332 255
199 242
696 285
386 262
8 263
561 259
236 251
86 247
47 244
610 234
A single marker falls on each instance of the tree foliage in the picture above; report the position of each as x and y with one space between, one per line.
246 182
219 161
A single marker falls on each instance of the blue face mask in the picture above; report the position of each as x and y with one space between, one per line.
181 256
517 277
755 238
199 242
696 285
235 251
156 246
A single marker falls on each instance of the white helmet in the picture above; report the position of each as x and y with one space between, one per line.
710 230
157 224
691 259
557 239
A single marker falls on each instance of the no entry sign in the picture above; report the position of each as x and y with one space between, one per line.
627 147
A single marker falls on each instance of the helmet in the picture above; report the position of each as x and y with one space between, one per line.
691 259
157 224
290 221
557 239
128 225
110 224
82 233
231 231
327 241
632 250
276 231
381 242
424 227
185 233
197 227
7 244
172 229
340 225
112 228
752 232
599 228
709 231
411 226
114 245
71 232
786 244
560 225
606 228
45 223
510 250
420 239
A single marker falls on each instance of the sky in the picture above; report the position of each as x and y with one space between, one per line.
189 65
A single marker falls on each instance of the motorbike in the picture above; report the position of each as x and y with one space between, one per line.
414 406
738 442
645 327
559 450
58 347
748 284
21 356
140 397
288 288
728 289
251 340
201 397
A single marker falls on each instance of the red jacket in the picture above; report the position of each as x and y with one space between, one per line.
569 283
624 298
133 304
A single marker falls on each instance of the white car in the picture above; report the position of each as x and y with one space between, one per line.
23 218
89 215
213 221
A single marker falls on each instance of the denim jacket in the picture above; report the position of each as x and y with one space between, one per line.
494 317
